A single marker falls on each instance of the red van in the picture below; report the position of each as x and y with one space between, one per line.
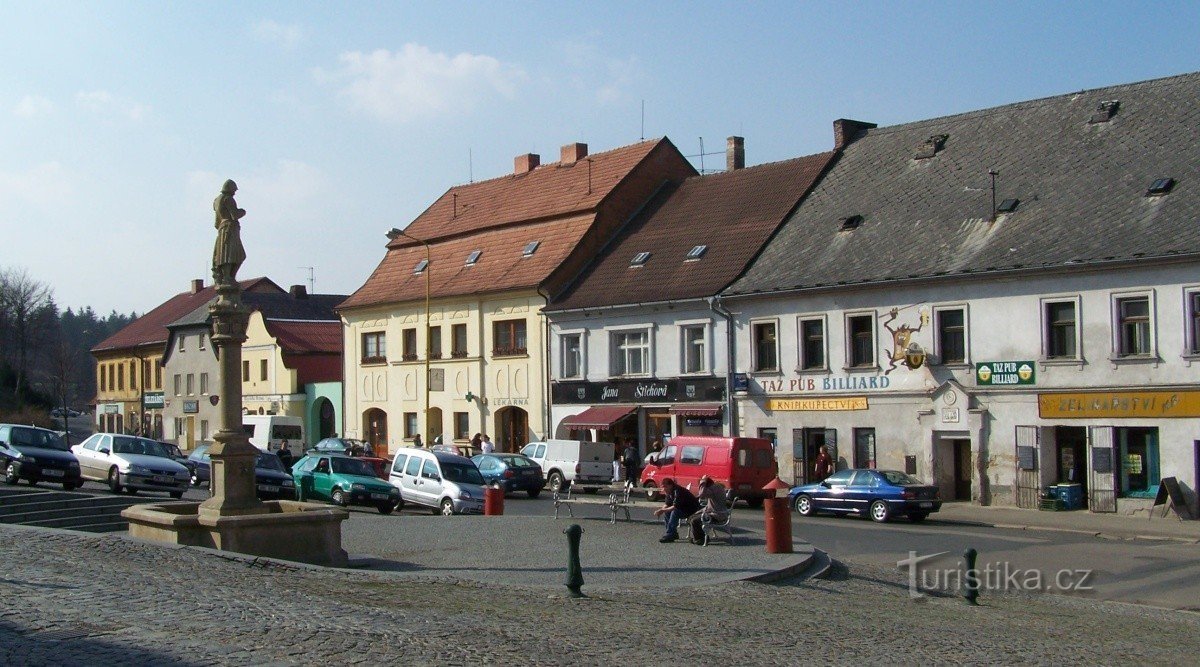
742 465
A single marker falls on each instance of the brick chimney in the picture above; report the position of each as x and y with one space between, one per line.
197 285
298 292
735 153
845 131
523 164
572 153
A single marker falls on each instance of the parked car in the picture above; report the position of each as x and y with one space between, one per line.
567 462
511 472
446 483
131 463
344 481
37 455
742 465
349 446
200 468
880 494
462 450
272 480
267 432
178 455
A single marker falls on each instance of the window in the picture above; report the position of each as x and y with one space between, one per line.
408 345
203 336
413 467
812 344
420 267
204 384
182 342
691 455
374 348
178 384
766 357
458 341
696 253
1194 322
103 378
1061 342
1139 464
132 375
473 257
861 334
435 342
864 448
158 373
262 370
631 353
203 429
410 424
694 357
1133 326
508 338
462 426
572 355
245 375
530 248
191 384
951 336
178 427
640 259
120 377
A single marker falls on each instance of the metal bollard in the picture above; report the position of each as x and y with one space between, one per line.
777 517
574 570
971 586
493 501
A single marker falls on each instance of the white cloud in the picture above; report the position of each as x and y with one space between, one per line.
33 105
416 82
105 103
44 186
287 36
593 73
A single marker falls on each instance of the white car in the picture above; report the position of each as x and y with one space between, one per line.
130 463
587 465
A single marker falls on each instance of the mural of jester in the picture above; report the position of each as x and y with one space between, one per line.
904 349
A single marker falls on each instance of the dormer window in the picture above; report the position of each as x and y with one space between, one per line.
696 253
1104 111
420 267
640 259
851 222
931 146
473 257
530 248
1160 187
1008 206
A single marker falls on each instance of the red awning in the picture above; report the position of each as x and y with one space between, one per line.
598 416
697 410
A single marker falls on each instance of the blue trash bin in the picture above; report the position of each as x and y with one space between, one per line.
1071 495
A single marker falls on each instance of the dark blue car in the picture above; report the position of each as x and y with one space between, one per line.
271 479
880 494
512 472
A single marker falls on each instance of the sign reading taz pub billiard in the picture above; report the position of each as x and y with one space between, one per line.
998 373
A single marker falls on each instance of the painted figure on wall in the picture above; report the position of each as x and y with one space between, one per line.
904 349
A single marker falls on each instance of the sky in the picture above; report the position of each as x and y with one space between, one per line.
119 121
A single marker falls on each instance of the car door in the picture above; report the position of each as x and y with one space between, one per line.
396 474
832 496
860 491
100 455
410 483
490 468
322 476
430 483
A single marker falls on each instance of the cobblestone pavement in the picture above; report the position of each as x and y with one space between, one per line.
74 599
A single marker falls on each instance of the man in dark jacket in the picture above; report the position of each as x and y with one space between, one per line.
680 504
630 459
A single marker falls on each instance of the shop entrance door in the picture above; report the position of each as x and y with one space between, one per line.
806 442
1102 494
1028 483
962 469
1070 444
513 426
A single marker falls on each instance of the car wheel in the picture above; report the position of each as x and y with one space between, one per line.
447 507
534 493
339 498
177 494
114 480
132 492
386 508
804 505
917 517
651 491
10 473
556 483
880 511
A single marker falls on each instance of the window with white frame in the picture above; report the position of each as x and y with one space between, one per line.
572 355
765 341
1193 322
694 345
631 352
1133 334
860 340
951 326
1061 335
812 343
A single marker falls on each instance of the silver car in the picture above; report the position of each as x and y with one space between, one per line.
132 464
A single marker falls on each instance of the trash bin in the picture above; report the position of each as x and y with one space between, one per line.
1070 495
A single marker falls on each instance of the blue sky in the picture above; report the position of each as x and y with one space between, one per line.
339 121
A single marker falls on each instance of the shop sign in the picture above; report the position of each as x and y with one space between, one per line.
702 421
510 401
676 390
998 373
152 399
830 383
191 407
1081 405
817 404
112 408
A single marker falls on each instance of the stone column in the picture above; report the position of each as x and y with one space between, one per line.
233 457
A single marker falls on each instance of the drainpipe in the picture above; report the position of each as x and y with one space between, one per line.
714 303
545 364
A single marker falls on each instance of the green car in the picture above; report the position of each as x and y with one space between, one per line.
344 481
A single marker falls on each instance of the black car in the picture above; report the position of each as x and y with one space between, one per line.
37 455
177 454
271 479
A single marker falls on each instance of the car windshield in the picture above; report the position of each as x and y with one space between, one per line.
200 453
352 467
896 477
127 445
36 437
270 462
518 461
464 473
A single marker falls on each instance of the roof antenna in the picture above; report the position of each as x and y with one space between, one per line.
643 121
312 281
701 155
993 173
470 166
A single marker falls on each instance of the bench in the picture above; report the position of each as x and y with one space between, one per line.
616 502
710 524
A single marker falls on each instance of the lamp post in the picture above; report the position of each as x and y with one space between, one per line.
428 344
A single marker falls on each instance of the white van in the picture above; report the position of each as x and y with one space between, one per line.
444 482
566 462
268 431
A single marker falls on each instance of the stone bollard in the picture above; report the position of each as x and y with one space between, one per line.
493 501
574 533
971 581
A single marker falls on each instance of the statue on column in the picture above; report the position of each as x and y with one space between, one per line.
228 254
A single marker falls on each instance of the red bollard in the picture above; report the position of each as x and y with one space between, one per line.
778 525
493 501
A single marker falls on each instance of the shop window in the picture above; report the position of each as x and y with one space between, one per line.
951 336
203 430
572 355
631 353
1133 326
693 349
766 352
374 349
410 424
812 344
408 345
435 342
691 455
462 426
861 340
1139 464
864 448
458 342
508 338
1061 330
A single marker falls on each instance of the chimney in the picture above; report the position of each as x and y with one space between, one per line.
298 292
735 153
845 131
523 164
197 285
572 153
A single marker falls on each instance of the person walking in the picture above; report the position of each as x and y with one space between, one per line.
823 466
486 445
630 459
285 455
679 504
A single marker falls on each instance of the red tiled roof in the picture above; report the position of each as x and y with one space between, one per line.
733 213
307 337
315 367
151 328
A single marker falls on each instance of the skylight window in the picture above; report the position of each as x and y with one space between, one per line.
1161 187
851 222
530 248
1008 206
1104 111
420 267
696 253
473 257
640 259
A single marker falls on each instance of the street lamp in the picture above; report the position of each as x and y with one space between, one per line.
428 346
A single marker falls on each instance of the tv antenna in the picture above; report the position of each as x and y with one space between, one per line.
312 281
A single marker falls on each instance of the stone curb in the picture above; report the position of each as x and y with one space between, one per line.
1077 531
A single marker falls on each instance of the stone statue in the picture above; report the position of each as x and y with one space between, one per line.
228 254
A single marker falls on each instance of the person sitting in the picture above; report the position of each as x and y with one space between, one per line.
680 503
712 497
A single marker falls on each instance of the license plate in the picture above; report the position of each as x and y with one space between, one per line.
52 473
163 479
379 496
268 488
926 504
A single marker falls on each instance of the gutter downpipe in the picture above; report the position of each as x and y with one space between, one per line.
714 303
546 435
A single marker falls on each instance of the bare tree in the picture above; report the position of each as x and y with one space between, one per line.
21 299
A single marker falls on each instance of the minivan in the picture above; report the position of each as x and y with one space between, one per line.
742 465
267 432
444 482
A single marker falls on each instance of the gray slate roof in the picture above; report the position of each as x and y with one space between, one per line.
1082 190
275 306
